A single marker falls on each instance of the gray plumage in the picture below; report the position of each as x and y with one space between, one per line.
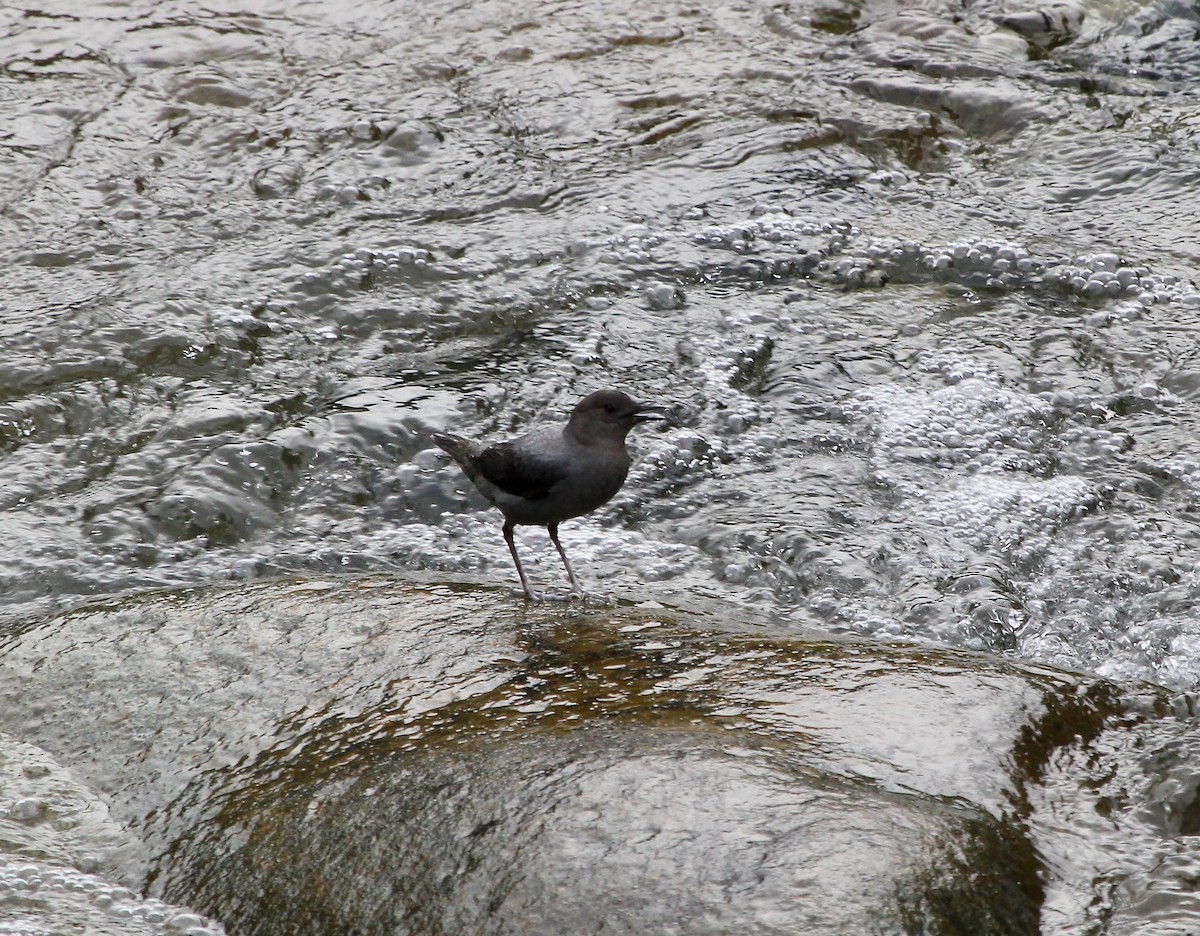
553 474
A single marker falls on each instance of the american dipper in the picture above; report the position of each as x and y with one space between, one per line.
550 475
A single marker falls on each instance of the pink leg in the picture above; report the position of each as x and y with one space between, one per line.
512 548
575 587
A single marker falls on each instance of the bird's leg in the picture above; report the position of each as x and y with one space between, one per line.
530 595
552 529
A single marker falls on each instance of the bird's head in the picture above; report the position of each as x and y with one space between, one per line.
608 415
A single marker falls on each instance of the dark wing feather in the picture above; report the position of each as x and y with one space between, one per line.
520 474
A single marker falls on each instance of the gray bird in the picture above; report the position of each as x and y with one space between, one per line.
552 474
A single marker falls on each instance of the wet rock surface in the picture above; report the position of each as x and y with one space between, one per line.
374 756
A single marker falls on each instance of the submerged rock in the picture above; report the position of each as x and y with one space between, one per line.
1048 26
378 757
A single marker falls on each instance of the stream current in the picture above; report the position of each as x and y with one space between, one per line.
918 278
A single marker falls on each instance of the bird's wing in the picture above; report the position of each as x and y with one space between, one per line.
520 472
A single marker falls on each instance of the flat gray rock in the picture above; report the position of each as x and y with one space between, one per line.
371 756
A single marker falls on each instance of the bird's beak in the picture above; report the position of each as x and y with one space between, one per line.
648 411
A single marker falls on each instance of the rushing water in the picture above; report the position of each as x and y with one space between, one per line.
918 279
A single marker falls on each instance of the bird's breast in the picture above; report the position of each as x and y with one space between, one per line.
598 485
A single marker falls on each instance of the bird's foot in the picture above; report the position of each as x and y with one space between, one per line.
575 594
557 596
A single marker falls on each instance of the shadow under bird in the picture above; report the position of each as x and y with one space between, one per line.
555 473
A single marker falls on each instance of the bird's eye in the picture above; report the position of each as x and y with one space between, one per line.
609 408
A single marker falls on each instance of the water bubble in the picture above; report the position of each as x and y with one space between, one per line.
185 921
29 810
664 296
